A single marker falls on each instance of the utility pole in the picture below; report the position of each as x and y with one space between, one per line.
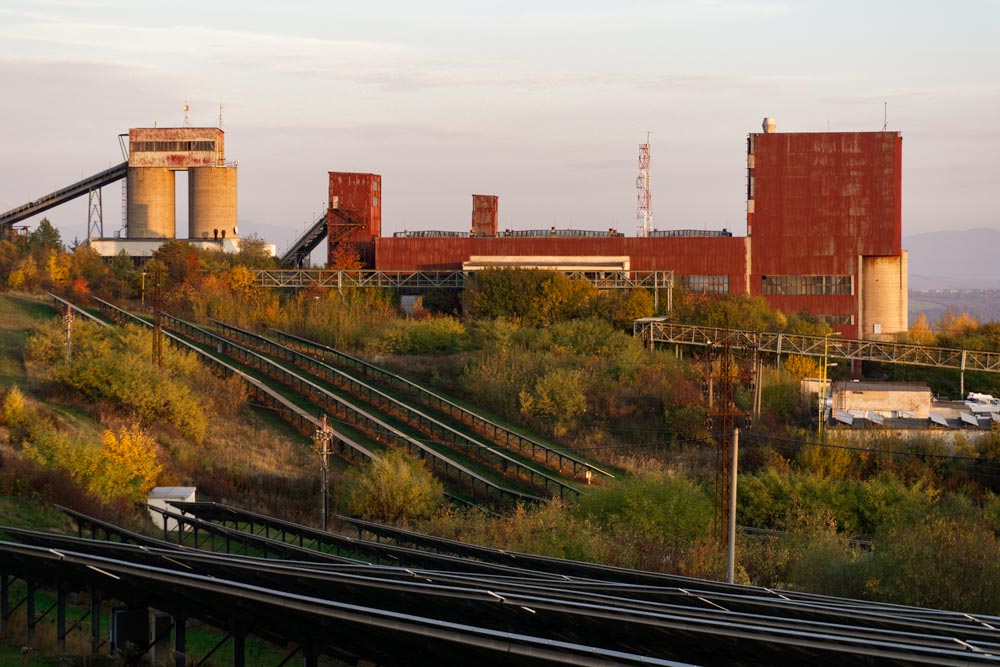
731 562
68 320
157 321
323 437
821 395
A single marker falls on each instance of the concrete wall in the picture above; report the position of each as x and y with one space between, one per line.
150 203
884 296
212 202
887 402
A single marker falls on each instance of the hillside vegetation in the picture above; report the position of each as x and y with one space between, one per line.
531 349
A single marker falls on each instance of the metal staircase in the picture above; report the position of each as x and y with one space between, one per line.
342 225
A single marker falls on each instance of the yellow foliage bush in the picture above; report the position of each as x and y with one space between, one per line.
126 466
802 367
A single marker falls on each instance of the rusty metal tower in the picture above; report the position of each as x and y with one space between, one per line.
644 210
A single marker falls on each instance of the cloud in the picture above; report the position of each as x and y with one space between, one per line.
186 40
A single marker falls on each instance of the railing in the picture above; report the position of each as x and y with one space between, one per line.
656 331
497 460
478 486
59 301
498 434
302 421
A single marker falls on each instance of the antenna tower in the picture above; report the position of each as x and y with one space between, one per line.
643 210
220 116
187 108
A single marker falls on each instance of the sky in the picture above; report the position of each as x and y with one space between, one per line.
543 103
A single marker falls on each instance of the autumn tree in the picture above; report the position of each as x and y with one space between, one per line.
345 257
920 332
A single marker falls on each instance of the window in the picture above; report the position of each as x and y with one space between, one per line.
172 146
705 284
811 285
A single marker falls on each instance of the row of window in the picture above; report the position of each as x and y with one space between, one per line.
705 284
836 319
171 146
813 285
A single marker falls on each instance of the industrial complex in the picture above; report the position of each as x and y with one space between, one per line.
823 228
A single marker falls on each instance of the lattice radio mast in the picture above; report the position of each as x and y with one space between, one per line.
644 210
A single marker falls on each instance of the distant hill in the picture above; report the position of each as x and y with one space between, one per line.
968 259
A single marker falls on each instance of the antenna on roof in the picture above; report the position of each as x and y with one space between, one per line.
644 209
220 115
187 108
885 115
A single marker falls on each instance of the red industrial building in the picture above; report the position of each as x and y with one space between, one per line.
824 224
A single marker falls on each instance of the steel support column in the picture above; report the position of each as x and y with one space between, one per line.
180 640
4 601
95 621
31 620
61 618
239 649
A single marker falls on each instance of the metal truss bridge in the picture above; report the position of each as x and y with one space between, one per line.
657 330
655 281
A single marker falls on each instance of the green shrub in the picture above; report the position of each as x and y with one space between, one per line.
939 563
656 507
116 366
394 488
429 336
557 398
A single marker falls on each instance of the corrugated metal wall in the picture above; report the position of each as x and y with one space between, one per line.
485 214
820 202
823 199
360 195
684 256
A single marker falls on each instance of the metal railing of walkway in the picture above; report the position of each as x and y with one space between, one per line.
658 330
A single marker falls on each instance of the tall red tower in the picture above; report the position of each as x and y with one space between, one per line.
824 214
354 214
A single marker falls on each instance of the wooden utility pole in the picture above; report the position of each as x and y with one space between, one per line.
157 321
68 320
323 438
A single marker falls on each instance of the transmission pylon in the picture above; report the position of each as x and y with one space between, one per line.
644 210
723 375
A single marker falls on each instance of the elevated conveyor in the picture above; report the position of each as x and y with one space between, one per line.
53 199
298 253
343 223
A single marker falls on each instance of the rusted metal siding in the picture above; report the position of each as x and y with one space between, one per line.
166 147
820 201
684 256
485 214
823 199
360 195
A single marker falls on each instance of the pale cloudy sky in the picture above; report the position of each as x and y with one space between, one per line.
543 103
